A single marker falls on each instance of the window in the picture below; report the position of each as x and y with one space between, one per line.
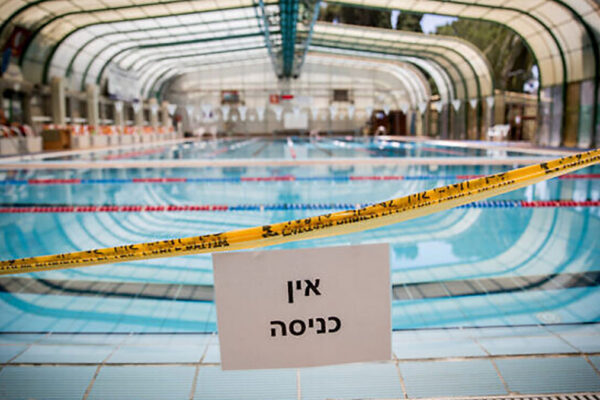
341 95
230 97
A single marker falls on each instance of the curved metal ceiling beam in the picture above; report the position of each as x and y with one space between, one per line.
440 77
176 69
596 50
176 60
23 9
359 32
83 46
55 18
410 76
347 33
133 48
445 85
415 82
411 79
528 13
365 4
447 64
436 71
441 59
80 28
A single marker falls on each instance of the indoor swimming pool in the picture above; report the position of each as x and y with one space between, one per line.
513 274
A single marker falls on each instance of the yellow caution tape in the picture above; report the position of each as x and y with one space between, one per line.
377 215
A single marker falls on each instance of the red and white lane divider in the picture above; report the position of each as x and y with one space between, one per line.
280 178
23 208
133 154
290 144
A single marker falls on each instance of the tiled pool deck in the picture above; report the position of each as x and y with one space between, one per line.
435 363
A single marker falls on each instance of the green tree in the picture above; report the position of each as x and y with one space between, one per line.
369 17
510 59
355 16
409 22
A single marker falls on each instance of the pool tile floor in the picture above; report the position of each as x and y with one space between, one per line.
435 363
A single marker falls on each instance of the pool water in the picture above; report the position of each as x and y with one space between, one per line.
301 148
511 261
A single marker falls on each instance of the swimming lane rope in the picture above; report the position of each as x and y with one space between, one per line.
338 223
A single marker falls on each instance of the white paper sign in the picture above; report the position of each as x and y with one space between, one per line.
304 307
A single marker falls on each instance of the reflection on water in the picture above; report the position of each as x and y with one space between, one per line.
300 148
463 267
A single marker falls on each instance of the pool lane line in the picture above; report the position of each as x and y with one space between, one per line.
280 178
205 292
315 143
138 208
325 225
77 152
260 149
482 145
290 146
440 151
133 154
232 146
266 162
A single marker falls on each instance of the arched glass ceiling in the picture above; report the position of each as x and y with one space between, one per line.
153 77
441 79
70 37
414 81
65 26
562 34
463 62
144 60
84 55
467 68
402 82
157 82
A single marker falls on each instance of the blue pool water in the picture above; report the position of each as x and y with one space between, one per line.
496 266
301 148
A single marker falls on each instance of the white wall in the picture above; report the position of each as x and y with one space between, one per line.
371 84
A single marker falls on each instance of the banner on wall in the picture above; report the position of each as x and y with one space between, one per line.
123 84
16 41
274 99
13 48
230 96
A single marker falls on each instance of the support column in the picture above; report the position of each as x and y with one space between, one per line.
557 117
586 115
490 108
597 127
472 119
571 117
153 113
499 108
27 117
93 104
486 116
443 121
459 111
426 121
59 101
544 117
165 120
119 115
418 122
138 116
